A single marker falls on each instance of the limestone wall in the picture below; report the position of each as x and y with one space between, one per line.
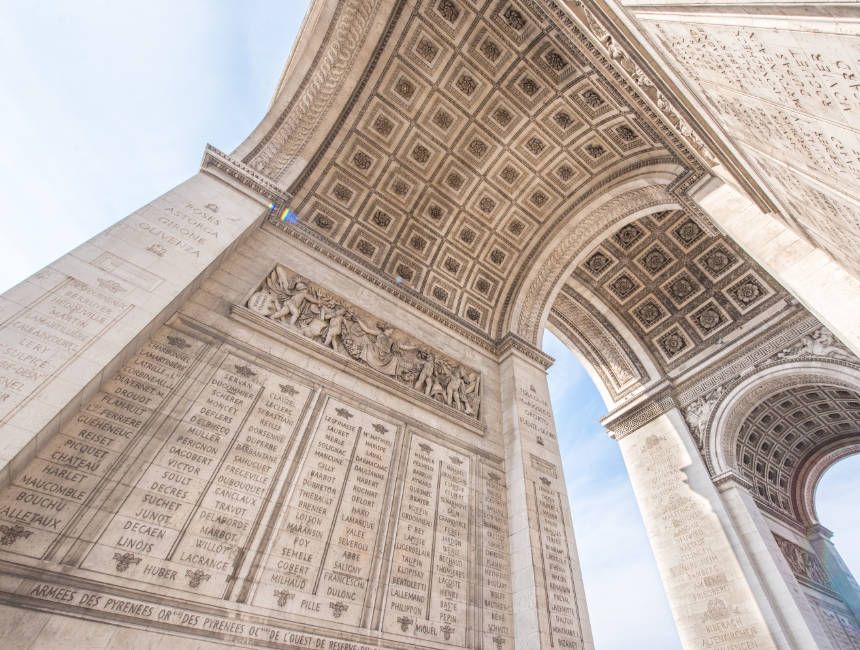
244 483
780 81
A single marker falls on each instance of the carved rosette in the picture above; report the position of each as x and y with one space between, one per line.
296 304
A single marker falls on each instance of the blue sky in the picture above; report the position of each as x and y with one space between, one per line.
106 105
836 504
626 601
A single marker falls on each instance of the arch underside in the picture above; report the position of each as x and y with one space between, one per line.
490 167
472 141
783 427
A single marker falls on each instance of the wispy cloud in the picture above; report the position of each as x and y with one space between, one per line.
106 105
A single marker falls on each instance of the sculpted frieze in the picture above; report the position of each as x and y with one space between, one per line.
804 563
296 304
820 343
699 412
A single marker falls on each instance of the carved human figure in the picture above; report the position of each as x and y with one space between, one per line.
820 343
470 393
699 411
324 318
425 376
440 376
379 350
452 391
824 344
298 296
334 333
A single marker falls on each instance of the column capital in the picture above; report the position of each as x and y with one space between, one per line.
729 479
513 342
627 419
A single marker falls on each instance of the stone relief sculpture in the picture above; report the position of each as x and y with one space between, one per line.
803 563
291 301
820 343
698 412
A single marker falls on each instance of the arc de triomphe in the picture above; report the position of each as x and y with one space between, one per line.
299 401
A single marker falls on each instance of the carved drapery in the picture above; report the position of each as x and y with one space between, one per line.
295 303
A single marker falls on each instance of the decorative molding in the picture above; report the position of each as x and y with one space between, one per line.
801 339
608 353
622 424
738 406
749 357
511 341
573 243
730 478
240 173
295 304
618 55
297 123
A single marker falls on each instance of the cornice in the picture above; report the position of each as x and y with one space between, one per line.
511 341
626 48
729 479
616 63
244 178
627 419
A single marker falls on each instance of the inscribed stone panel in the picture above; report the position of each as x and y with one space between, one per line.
429 581
210 481
326 544
785 90
40 339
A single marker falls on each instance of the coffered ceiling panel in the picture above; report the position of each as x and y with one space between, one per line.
474 133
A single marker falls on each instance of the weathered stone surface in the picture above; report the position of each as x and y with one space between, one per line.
224 427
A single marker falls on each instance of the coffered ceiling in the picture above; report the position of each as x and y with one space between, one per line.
782 432
676 286
480 128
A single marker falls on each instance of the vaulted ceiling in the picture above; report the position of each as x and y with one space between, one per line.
785 430
676 286
480 130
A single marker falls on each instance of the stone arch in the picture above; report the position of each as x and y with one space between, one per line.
627 201
722 434
616 362
810 475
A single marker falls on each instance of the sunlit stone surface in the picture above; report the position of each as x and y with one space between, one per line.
226 427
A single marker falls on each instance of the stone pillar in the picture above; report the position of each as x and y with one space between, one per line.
787 602
83 315
841 579
548 596
814 277
710 593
